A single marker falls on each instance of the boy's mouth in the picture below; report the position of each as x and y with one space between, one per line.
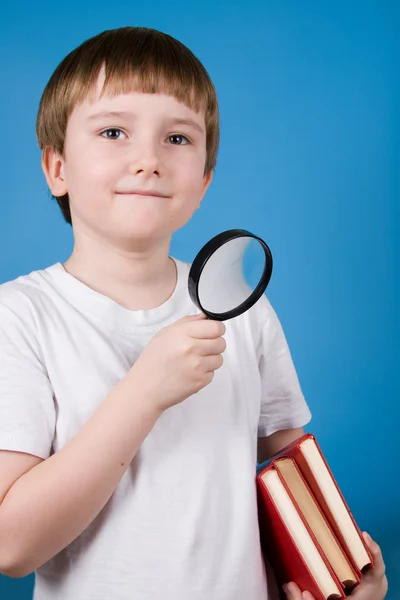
152 193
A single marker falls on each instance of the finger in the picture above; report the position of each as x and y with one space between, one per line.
212 363
379 569
188 318
211 347
292 591
205 329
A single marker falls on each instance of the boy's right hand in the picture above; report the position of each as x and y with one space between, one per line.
180 360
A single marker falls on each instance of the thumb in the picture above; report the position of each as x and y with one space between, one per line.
190 318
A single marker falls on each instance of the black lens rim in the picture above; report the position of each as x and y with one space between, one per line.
203 257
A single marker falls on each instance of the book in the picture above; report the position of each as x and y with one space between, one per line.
307 530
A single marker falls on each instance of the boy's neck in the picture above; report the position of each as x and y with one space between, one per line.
135 280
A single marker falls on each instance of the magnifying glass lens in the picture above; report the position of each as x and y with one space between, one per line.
230 274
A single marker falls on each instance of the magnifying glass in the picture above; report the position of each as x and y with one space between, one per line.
229 274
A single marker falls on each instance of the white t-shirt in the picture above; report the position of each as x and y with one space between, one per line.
182 523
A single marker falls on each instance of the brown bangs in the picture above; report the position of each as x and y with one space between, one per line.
134 59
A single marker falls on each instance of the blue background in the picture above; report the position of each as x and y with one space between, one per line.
309 96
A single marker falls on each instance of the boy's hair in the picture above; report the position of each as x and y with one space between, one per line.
135 59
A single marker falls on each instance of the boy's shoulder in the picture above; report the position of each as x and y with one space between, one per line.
19 296
254 323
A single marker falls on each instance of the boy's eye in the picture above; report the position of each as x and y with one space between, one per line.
112 133
177 139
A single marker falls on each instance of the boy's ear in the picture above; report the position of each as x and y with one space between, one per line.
206 182
53 168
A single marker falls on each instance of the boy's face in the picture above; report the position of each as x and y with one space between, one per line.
133 167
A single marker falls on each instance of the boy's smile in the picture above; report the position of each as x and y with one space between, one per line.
133 167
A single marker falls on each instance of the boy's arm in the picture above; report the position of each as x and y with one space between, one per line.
51 504
270 445
45 506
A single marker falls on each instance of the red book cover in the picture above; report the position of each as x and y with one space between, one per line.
294 451
282 551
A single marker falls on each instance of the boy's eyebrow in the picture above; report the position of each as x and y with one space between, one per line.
103 114
119 115
189 122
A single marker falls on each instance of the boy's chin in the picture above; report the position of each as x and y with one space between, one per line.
139 238
149 230
130 232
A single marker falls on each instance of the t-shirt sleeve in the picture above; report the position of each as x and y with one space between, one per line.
27 409
282 403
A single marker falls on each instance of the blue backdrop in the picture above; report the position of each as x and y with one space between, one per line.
310 144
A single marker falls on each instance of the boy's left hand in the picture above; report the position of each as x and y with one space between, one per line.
373 585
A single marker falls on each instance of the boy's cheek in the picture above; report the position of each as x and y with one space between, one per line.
90 179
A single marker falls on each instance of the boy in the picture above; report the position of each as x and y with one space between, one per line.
129 445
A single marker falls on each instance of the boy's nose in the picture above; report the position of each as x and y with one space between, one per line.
145 162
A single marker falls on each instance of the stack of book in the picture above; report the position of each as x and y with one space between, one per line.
307 530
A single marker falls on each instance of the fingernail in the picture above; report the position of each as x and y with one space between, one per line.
288 589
